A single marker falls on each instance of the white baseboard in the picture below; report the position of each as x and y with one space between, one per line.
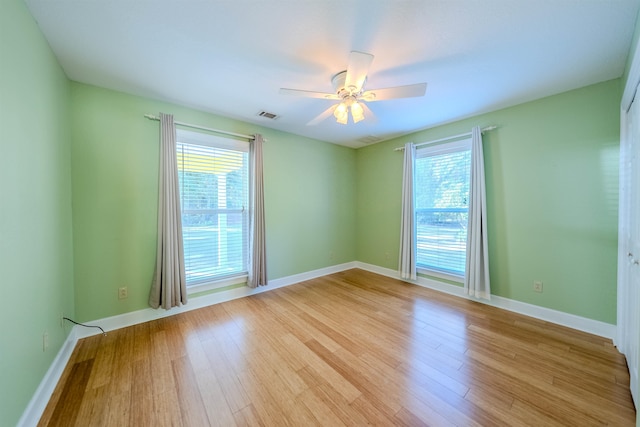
584 324
35 408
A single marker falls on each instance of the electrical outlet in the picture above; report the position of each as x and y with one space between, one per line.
45 341
123 292
62 319
331 257
537 286
387 256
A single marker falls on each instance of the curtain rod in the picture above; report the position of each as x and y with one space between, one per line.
224 132
483 130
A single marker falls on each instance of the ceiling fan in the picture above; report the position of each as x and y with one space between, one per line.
348 88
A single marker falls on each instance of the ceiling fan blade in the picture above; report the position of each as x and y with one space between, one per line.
357 70
409 91
322 116
368 114
308 93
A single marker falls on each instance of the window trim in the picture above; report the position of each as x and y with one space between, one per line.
209 140
444 148
215 141
222 282
439 274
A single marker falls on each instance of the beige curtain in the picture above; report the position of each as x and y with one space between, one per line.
169 287
476 279
408 249
257 242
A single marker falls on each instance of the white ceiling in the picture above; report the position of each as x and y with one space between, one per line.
230 57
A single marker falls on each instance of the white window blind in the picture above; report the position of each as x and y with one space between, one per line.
442 204
214 186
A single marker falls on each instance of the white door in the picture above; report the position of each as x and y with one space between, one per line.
628 327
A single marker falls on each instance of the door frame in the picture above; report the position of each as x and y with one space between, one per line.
625 330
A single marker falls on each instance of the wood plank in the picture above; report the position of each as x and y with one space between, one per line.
215 400
192 406
248 416
141 411
93 411
355 376
67 408
319 409
122 368
119 407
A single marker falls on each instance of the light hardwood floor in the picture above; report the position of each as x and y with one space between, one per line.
353 348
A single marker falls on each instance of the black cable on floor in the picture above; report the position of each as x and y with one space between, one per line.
86 326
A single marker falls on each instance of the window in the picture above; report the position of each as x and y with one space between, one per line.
213 175
442 174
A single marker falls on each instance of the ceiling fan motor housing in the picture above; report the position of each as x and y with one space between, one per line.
338 82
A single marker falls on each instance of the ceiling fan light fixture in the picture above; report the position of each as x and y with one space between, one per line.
357 112
341 113
343 120
340 110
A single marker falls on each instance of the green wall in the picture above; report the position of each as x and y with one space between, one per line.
35 208
552 190
309 194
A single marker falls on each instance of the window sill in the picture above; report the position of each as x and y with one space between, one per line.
217 284
441 275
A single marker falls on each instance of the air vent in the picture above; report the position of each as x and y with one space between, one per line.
370 139
268 115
